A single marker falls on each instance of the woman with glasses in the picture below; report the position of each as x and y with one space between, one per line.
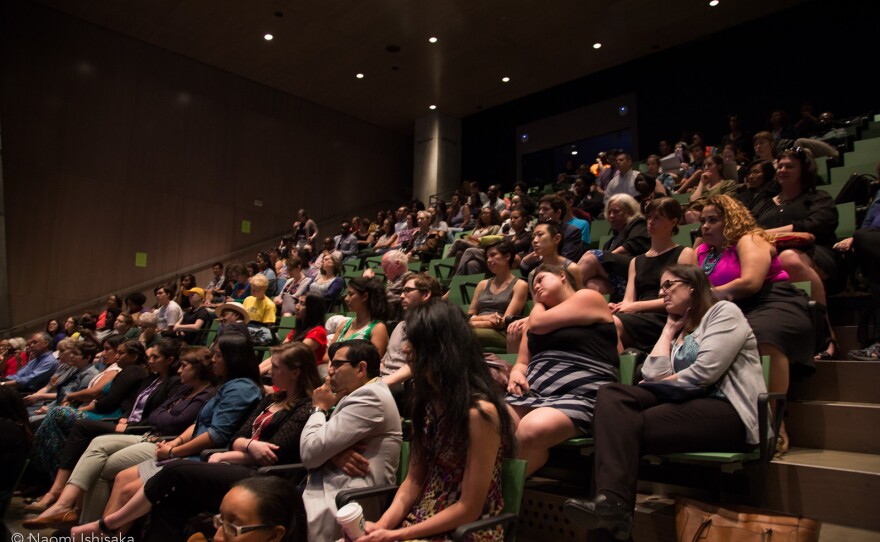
261 509
569 351
706 347
269 436
799 207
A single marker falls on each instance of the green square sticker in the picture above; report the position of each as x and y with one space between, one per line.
245 226
140 259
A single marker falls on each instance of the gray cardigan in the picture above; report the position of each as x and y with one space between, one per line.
727 351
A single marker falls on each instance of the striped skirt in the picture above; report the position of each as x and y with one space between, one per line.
567 382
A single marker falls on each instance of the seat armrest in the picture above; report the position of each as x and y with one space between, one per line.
347 495
289 471
208 452
508 520
767 444
137 429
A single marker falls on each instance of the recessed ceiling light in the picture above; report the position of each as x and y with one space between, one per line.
268 37
714 3
360 76
597 45
505 79
432 107
574 153
432 39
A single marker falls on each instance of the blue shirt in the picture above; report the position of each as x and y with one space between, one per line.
582 225
36 373
224 413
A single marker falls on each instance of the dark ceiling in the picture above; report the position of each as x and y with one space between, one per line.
319 46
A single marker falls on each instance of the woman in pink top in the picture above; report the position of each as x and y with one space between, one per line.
742 265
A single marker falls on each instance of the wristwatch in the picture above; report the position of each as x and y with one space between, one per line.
321 410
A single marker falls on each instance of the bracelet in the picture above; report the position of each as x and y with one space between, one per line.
171 452
248 445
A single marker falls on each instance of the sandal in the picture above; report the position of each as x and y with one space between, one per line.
871 353
827 354
781 445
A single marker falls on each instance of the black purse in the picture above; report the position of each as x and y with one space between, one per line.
673 391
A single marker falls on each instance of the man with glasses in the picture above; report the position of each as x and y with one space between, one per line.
356 446
417 290
39 369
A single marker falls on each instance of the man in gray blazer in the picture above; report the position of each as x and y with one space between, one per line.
358 445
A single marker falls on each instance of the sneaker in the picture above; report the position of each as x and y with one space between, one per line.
872 353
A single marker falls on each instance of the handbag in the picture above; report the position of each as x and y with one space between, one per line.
793 239
697 521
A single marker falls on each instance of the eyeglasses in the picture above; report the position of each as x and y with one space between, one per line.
337 363
407 290
232 530
667 284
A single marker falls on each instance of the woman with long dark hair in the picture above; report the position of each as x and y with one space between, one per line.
369 301
462 432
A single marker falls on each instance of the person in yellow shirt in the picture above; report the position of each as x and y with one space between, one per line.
260 308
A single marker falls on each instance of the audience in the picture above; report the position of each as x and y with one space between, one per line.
39 368
236 368
166 404
705 328
270 435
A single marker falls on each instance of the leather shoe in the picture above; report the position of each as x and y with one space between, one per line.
602 513
55 521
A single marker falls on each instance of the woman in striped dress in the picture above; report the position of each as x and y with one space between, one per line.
568 352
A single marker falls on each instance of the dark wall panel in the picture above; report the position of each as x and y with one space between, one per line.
113 147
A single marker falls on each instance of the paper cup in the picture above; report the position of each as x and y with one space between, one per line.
351 518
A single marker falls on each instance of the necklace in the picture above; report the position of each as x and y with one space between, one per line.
710 261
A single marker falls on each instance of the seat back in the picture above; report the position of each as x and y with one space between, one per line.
461 288
627 369
513 479
403 467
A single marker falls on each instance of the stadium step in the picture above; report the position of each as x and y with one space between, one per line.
834 425
854 381
837 487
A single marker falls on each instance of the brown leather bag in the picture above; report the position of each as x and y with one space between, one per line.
696 521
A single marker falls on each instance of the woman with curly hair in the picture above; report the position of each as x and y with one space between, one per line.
742 265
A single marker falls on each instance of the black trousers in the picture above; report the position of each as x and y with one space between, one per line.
866 244
79 439
630 422
184 489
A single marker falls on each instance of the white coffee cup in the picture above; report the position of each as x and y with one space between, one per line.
351 518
